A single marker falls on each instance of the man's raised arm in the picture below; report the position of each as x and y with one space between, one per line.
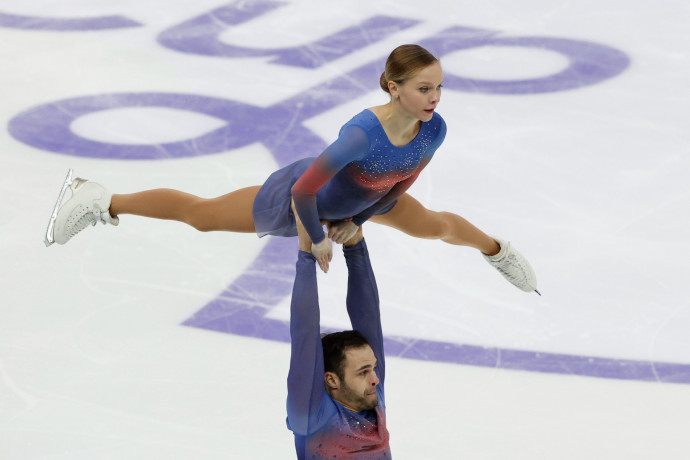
363 298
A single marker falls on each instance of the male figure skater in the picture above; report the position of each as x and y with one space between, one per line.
335 398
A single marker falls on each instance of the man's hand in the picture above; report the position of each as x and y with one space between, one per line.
342 230
355 239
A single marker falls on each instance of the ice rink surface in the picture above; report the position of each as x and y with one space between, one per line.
568 134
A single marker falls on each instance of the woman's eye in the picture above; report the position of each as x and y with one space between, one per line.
424 89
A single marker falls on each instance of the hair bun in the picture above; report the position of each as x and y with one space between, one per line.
403 63
384 82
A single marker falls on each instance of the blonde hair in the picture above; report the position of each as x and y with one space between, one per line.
403 63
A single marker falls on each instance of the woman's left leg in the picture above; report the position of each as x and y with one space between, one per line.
411 217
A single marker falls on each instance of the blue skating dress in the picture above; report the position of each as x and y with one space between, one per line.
358 176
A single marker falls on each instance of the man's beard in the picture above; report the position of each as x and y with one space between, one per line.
358 400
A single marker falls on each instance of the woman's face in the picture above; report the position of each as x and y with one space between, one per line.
419 95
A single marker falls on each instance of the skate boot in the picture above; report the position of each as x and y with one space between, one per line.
514 267
88 205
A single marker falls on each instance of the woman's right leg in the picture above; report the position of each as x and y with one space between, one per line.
231 212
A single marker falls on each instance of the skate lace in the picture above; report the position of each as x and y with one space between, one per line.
84 221
512 269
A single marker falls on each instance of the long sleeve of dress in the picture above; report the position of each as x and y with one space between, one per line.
351 145
362 173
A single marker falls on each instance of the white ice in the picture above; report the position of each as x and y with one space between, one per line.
590 184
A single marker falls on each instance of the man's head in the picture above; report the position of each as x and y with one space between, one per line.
350 370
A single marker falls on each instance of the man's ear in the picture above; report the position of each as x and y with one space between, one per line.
332 380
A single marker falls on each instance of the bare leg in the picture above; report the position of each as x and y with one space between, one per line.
409 216
231 212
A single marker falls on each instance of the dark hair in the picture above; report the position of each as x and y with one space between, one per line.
334 347
403 63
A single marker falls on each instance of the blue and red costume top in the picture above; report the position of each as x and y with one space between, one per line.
358 176
362 173
324 428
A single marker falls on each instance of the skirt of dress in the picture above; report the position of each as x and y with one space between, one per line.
272 211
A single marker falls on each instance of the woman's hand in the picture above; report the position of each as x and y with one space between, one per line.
323 252
342 230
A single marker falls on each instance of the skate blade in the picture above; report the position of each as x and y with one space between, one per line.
49 239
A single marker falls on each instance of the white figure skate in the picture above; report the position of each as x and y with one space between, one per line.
88 205
514 267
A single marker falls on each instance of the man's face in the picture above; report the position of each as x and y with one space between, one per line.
358 388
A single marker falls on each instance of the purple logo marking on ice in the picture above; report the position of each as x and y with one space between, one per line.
47 127
13 21
241 308
200 36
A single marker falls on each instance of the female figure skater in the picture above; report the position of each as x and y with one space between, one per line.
362 176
